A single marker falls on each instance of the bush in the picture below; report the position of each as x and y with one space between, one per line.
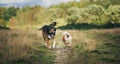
113 14
91 15
55 13
73 15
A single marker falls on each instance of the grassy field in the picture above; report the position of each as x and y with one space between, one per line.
94 46
23 47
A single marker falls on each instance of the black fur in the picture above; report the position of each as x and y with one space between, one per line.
47 29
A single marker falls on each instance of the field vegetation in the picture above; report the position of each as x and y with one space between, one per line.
94 25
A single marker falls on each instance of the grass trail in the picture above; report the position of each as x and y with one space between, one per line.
79 37
88 47
91 47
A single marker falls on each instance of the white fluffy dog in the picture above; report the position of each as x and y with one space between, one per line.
67 38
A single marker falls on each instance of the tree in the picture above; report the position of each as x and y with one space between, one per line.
2 11
11 11
55 13
73 15
113 14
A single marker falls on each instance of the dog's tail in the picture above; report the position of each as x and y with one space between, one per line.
40 28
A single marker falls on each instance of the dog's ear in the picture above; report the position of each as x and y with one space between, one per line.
53 24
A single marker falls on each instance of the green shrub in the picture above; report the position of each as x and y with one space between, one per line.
113 14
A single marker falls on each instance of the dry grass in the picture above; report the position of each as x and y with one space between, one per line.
95 47
19 45
26 46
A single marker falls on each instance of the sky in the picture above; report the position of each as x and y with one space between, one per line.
21 3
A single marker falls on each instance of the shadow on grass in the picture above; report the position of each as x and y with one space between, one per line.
89 26
5 28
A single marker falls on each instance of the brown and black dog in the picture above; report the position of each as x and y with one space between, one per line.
48 33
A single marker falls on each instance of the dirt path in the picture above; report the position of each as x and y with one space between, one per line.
60 51
61 55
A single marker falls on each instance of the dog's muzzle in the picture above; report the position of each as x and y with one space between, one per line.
50 36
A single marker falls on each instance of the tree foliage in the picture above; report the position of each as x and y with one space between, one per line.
97 12
6 14
114 14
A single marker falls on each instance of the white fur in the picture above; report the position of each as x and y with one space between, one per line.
67 39
49 36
